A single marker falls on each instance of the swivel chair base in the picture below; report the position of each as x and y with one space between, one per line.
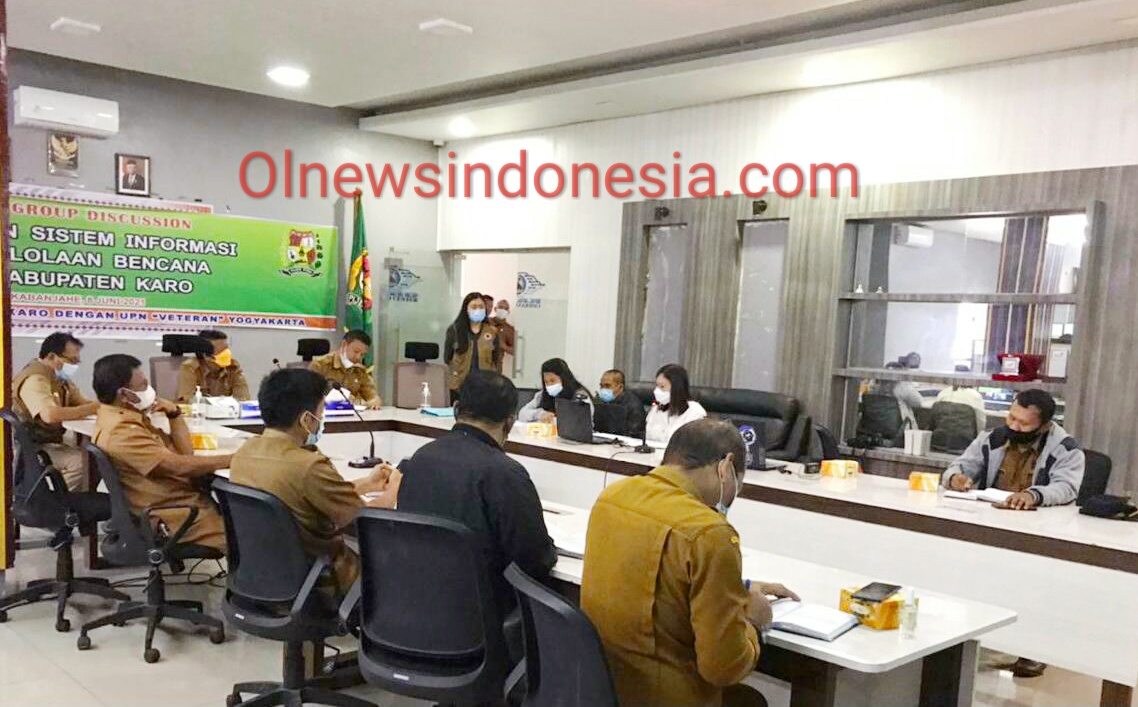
63 586
295 691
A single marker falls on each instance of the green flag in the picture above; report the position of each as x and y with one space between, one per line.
357 309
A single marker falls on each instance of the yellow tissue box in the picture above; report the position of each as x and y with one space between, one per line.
923 481
883 616
541 429
840 468
204 441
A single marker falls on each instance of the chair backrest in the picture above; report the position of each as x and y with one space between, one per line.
298 364
425 592
565 659
525 395
953 426
880 416
164 375
124 543
265 556
409 379
36 502
1096 475
824 445
308 349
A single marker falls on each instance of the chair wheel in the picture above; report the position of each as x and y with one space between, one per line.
3 617
232 700
120 624
151 655
217 635
83 643
63 625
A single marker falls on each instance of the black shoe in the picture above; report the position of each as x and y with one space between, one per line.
1025 668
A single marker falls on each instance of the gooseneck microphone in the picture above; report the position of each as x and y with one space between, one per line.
370 460
277 363
644 448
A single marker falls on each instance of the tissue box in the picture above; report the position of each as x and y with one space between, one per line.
541 429
923 481
840 468
204 441
883 616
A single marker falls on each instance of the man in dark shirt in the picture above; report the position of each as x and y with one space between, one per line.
619 412
465 476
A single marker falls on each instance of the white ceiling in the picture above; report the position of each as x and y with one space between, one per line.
363 52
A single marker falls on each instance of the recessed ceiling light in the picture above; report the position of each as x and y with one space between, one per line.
445 28
75 28
461 127
288 76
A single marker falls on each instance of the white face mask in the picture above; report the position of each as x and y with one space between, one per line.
146 398
69 371
663 397
502 313
344 361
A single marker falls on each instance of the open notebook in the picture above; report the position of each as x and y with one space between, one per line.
811 620
987 495
568 534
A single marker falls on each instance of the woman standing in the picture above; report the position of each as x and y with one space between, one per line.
471 344
674 407
557 382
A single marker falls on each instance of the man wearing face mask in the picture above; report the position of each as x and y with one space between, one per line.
284 461
507 337
217 375
346 366
619 412
1030 456
678 621
45 395
467 477
156 468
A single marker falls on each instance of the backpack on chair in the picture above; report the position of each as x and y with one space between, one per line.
953 426
880 419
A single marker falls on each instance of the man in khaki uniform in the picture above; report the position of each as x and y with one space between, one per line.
345 366
284 461
216 375
156 468
676 616
45 395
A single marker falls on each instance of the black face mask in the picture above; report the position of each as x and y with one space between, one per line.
1023 437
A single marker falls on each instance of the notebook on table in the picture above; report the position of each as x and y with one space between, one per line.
811 620
987 495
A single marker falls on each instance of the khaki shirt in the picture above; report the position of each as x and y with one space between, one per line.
136 447
35 389
663 584
305 480
1017 473
212 378
356 380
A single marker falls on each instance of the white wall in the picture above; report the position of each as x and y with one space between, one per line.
197 136
1060 112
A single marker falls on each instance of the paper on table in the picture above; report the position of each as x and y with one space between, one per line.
986 495
811 620
566 533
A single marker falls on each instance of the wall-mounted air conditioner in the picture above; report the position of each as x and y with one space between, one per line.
912 236
66 112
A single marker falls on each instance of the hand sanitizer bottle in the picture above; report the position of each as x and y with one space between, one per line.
909 614
426 401
197 405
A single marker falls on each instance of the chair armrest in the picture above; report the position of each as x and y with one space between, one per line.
182 529
516 676
309 587
348 605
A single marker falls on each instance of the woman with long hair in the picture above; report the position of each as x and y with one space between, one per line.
557 381
471 343
673 407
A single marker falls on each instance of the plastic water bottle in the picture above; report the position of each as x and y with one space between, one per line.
197 405
426 400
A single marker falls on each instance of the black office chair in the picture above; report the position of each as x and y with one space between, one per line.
132 542
40 499
1096 475
309 349
565 662
824 445
429 625
272 593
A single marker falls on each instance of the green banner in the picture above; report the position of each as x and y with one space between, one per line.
73 266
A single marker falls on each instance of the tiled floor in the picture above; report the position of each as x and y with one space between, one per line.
40 667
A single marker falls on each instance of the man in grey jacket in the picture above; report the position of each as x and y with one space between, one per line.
1030 456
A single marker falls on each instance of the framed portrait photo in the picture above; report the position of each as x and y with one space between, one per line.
132 175
63 154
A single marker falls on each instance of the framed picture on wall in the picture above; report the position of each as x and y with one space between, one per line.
63 154
132 175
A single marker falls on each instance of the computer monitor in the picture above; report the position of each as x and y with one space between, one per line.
575 422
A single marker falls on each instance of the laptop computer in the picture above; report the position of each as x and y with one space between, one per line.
755 441
575 422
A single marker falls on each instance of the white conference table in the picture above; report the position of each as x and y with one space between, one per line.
1071 579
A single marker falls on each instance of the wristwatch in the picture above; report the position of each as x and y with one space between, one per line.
174 415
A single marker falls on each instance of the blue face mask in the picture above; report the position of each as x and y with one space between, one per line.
314 437
606 395
476 315
554 390
720 505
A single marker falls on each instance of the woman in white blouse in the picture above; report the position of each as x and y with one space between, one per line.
674 407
